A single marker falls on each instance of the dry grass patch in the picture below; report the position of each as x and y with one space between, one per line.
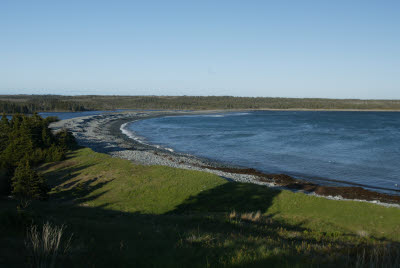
386 255
45 245
255 217
248 216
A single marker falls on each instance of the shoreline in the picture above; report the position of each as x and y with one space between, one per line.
103 134
321 110
299 110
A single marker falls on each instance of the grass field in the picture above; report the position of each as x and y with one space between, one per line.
121 214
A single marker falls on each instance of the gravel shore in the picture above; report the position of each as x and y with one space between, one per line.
102 133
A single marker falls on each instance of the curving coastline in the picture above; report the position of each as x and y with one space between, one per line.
104 133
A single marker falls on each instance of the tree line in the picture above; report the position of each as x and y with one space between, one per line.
25 143
32 105
45 103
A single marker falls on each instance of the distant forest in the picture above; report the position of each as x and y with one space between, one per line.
12 104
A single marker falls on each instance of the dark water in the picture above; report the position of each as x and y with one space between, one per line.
354 147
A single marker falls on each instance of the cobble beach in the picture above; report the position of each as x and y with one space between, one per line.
106 133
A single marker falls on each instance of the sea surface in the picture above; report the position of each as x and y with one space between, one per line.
330 148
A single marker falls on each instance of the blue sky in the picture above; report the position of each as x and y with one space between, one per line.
332 49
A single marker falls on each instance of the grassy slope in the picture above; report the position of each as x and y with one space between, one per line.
161 216
118 185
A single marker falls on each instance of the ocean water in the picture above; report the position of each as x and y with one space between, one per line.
330 148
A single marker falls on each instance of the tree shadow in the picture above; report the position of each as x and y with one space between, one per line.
80 191
211 228
185 238
105 238
58 177
231 196
67 186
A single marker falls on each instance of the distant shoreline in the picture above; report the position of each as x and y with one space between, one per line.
221 110
102 134
48 103
324 110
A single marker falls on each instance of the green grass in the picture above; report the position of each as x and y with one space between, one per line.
123 214
98 180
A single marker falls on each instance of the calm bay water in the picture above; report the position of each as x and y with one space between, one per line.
351 147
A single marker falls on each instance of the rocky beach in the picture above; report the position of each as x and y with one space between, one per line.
105 134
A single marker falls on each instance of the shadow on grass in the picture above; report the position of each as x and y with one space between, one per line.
184 238
107 238
63 177
239 197
200 232
56 178
80 191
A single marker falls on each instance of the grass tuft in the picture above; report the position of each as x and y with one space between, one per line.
45 245
385 256
248 216
362 233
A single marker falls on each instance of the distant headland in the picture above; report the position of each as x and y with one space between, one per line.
10 104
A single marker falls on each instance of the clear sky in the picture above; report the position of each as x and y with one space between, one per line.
332 49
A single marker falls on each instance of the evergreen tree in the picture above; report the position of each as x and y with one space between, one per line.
28 138
65 139
20 146
4 132
27 183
